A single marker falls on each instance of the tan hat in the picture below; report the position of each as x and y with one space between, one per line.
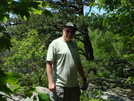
70 24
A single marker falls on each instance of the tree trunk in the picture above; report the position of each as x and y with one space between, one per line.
86 40
88 46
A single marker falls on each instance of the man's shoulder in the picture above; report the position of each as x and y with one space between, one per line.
73 42
56 40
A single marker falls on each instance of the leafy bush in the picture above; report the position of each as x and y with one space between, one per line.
43 97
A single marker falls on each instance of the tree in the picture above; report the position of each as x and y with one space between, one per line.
27 58
117 20
74 11
23 9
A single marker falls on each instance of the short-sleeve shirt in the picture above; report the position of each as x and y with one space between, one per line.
65 58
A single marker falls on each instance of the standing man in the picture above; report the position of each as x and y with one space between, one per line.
63 62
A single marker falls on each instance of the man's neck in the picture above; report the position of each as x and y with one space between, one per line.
65 39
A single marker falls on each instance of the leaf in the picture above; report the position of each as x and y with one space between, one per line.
19 91
34 98
29 92
129 79
44 4
2 29
33 4
3 87
5 42
12 79
37 12
2 99
133 82
2 78
43 97
9 78
48 13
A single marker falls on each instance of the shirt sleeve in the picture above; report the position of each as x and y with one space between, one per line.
51 53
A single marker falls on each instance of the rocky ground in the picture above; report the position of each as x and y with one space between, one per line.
102 88
20 98
110 89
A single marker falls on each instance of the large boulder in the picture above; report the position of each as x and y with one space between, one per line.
35 94
42 90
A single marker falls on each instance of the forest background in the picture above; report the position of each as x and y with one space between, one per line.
105 41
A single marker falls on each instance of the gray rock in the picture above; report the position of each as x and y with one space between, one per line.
43 90
110 90
35 94
109 95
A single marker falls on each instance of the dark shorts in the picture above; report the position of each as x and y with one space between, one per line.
66 94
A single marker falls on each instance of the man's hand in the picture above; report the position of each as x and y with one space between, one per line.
84 85
52 87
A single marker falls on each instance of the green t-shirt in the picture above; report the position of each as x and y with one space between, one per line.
65 58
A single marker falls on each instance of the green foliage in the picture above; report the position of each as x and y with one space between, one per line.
91 98
43 97
19 8
23 91
111 35
26 59
5 42
29 92
84 98
131 80
12 79
3 83
2 99
96 92
111 52
7 81
22 9
118 16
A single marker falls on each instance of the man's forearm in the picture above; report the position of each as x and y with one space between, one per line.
81 72
49 71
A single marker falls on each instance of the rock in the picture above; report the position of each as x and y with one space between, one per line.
43 90
109 95
35 94
110 90
104 97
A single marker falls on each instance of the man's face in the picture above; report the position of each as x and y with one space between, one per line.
68 33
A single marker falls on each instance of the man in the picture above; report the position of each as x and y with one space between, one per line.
63 62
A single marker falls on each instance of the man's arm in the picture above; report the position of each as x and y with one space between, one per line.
81 72
49 70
